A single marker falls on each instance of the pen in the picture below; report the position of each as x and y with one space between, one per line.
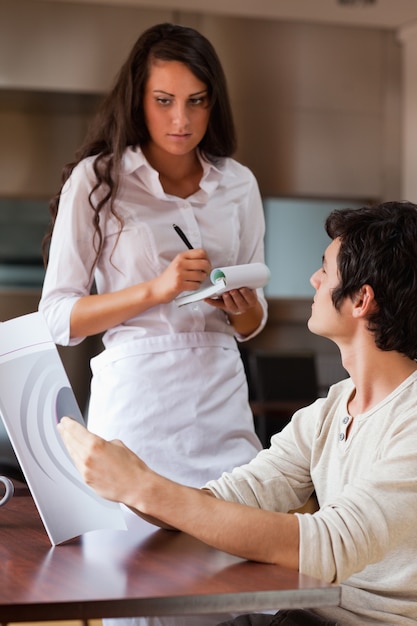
183 237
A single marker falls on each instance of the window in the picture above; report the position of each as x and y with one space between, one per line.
295 241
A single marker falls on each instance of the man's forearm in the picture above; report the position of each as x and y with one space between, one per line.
247 532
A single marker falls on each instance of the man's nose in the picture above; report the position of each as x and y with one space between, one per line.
314 279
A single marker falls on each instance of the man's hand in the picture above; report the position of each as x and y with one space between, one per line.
109 467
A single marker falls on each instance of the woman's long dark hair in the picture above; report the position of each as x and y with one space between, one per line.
120 119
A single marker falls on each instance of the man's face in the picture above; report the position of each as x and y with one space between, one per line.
325 320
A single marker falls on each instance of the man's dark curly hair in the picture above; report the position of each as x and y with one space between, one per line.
379 248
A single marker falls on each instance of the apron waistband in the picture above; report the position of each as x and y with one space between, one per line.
164 343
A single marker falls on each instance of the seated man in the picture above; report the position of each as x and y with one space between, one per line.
357 448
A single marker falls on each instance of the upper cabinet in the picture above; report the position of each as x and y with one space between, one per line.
317 106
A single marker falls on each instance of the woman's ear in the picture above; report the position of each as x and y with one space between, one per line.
364 302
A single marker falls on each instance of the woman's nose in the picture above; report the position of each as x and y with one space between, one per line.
180 115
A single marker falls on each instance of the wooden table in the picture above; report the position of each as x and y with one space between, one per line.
140 572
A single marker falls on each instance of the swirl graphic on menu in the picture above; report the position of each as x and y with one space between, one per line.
42 390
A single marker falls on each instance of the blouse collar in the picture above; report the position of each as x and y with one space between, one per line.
134 160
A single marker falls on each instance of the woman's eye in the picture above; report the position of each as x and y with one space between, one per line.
198 101
164 101
193 102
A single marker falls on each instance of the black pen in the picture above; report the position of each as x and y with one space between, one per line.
183 237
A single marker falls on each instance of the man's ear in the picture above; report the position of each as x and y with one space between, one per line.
364 302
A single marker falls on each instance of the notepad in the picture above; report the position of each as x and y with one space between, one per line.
250 275
34 394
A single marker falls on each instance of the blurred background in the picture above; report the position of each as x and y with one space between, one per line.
324 94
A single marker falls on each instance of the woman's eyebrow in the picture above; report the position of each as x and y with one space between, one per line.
172 95
166 93
198 93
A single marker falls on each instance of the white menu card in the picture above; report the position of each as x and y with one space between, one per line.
35 394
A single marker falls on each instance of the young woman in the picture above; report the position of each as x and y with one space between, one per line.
170 382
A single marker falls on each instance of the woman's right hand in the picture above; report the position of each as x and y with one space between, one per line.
186 272
97 313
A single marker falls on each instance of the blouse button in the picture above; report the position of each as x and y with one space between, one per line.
341 436
346 419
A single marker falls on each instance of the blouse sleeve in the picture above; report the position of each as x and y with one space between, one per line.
69 274
252 243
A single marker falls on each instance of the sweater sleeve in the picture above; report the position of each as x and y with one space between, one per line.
277 479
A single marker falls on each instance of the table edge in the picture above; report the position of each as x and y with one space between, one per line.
177 605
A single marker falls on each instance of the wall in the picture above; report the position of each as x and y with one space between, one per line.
317 107
408 37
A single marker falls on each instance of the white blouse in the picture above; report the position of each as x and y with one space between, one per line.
225 217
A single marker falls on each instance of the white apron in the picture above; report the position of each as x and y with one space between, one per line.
181 403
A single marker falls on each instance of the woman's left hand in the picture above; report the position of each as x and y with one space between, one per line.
242 307
235 301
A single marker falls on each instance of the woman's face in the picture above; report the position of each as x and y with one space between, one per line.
176 107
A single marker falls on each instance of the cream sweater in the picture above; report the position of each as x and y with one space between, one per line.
365 533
